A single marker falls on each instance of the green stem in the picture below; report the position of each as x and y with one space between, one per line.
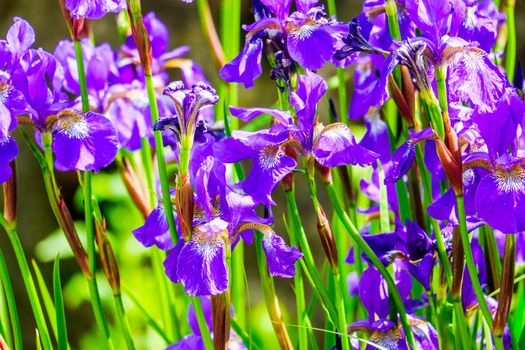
362 245
11 303
121 313
270 297
318 284
510 52
81 76
393 22
147 164
300 300
88 207
29 284
161 162
470 261
201 320
339 301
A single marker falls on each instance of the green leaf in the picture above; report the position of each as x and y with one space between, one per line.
46 298
11 303
59 303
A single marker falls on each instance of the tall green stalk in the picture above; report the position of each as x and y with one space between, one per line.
339 301
161 162
88 209
311 270
510 51
29 284
201 320
362 245
11 303
471 266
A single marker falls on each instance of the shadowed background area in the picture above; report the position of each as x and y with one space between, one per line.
36 221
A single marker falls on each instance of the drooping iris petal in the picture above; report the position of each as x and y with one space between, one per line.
246 67
336 146
84 141
280 8
373 290
247 114
404 156
443 207
364 77
155 230
305 99
20 37
281 257
385 244
473 78
270 164
94 9
376 137
311 45
500 197
201 263
498 127
430 16
8 152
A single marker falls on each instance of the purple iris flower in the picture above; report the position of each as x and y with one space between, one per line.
162 58
101 71
270 164
224 216
94 9
296 35
332 145
155 230
405 155
85 141
480 23
39 76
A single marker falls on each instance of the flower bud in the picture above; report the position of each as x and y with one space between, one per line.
325 173
401 103
140 34
134 188
507 286
66 223
221 320
451 165
10 196
458 264
78 27
327 238
107 257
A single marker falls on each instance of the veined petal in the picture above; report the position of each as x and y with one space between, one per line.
84 141
20 36
281 257
473 78
201 264
155 230
336 146
94 9
500 198
247 114
311 45
246 67
8 152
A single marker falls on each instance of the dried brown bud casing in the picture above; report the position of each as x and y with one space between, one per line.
140 34
327 238
10 196
107 257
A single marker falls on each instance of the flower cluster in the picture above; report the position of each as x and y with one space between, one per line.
425 205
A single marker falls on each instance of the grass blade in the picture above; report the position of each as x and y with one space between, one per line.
59 307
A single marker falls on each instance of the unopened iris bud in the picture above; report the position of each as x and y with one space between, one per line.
10 198
140 34
507 286
451 165
400 101
67 225
327 238
325 173
221 320
107 257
